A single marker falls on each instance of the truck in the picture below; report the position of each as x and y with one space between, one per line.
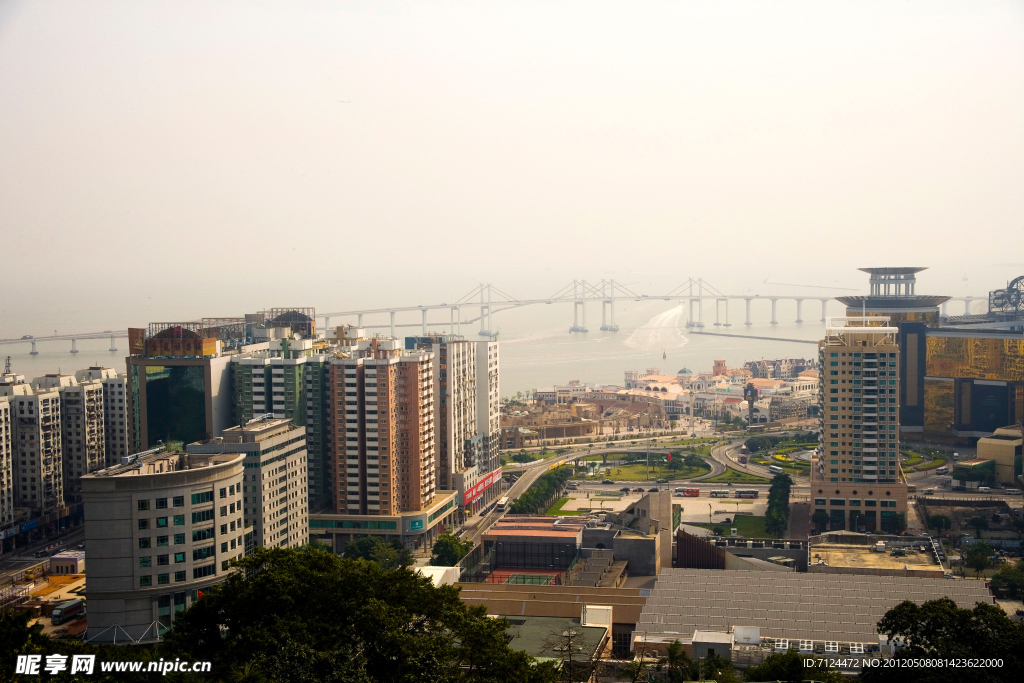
72 609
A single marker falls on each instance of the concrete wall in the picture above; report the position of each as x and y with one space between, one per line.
641 553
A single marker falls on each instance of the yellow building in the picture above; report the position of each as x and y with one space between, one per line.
1004 447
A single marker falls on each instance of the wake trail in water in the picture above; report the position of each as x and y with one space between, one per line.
660 332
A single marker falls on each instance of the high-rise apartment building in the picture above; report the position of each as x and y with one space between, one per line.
6 465
82 428
116 413
382 398
857 478
274 491
465 377
288 380
38 452
159 529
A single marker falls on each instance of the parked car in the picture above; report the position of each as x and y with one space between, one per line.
662 481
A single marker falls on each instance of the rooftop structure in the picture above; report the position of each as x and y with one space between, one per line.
787 605
547 637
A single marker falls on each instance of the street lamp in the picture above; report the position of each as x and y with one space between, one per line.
709 514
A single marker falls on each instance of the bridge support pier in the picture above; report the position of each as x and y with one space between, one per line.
717 323
74 346
113 346
393 325
747 299
327 322
727 323
424 322
359 320
33 352
775 319
967 305
799 308
824 309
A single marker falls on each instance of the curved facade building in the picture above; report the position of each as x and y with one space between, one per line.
159 529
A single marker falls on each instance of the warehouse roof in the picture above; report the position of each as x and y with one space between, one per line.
839 607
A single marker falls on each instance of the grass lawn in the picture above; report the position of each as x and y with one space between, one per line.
556 508
937 462
737 477
638 472
745 525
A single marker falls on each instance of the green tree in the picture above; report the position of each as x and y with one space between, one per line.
333 619
901 522
940 629
1009 581
977 557
939 522
448 550
789 666
373 548
979 523
693 461
820 519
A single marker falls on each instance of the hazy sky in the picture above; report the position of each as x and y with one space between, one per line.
170 160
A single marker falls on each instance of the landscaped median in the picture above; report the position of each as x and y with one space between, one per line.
736 477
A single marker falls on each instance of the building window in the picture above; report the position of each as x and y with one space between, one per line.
179 501
179 558
202 534
200 572
179 520
223 493
202 516
204 497
146 561
163 579
179 539
144 542
837 502
179 576
161 503
143 523
161 522
161 541
162 560
146 580
143 504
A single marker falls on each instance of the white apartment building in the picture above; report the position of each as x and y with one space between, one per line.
6 465
274 485
158 529
38 451
116 423
82 429
488 418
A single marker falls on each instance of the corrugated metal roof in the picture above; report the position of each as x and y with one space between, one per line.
798 606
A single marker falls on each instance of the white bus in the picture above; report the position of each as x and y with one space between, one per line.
942 470
774 469
719 494
502 505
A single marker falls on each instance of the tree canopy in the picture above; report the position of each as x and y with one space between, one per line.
789 666
448 550
308 615
388 555
940 629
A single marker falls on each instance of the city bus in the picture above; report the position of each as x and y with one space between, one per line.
502 505
774 469
720 494
942 470
746 493
689 493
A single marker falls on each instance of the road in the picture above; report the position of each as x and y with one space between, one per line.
16 562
